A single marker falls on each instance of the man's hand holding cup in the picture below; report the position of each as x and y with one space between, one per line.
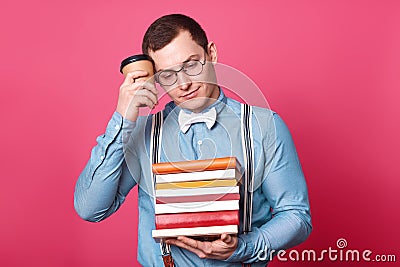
138 89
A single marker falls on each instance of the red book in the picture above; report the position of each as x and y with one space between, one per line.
197 219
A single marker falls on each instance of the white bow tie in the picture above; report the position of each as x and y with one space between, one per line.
187 119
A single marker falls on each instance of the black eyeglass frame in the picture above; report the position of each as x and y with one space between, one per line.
175 72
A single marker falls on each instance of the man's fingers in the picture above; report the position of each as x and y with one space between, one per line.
141 85
140 98
186 246
148 94
226 238
151 87
131 76
191 242
219 249
142 101
139 89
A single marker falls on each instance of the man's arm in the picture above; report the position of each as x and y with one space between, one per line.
105 181
286 191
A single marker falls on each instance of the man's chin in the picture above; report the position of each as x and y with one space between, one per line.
195 105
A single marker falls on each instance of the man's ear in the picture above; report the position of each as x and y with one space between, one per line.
212 52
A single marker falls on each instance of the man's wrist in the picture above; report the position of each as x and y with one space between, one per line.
118 127
242 251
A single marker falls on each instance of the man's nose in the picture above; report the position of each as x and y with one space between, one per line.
183 81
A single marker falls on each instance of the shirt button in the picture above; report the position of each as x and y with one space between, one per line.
102 157
116 127
199 142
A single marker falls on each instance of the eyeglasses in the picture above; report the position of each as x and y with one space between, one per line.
190 68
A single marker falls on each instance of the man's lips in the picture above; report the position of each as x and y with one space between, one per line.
190 94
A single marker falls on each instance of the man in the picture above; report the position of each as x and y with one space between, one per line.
184 60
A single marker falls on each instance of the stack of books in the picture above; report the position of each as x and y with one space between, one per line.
198 198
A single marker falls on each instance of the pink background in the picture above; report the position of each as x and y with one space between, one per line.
329 68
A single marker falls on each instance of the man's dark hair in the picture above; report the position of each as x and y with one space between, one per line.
166 28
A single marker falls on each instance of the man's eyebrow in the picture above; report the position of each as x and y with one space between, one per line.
190 58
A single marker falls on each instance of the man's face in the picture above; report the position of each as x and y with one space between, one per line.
190 92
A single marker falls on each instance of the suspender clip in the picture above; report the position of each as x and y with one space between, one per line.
168 260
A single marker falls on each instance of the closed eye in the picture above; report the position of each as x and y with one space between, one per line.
166 74
191 64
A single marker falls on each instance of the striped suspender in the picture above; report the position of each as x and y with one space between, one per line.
248 155
155 148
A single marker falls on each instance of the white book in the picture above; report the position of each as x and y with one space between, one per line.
196 206
197 191
195 231
198 176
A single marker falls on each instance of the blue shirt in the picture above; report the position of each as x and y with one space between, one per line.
120 160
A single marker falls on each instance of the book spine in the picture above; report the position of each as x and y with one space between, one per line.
195 165
197 206
198 219
197 176
197 184
197 198
195 231
197 191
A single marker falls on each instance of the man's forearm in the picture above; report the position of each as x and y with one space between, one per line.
105 180
286 229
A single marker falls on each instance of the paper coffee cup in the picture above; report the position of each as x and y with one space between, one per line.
138 62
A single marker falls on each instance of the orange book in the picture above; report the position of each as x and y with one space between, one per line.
196 165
